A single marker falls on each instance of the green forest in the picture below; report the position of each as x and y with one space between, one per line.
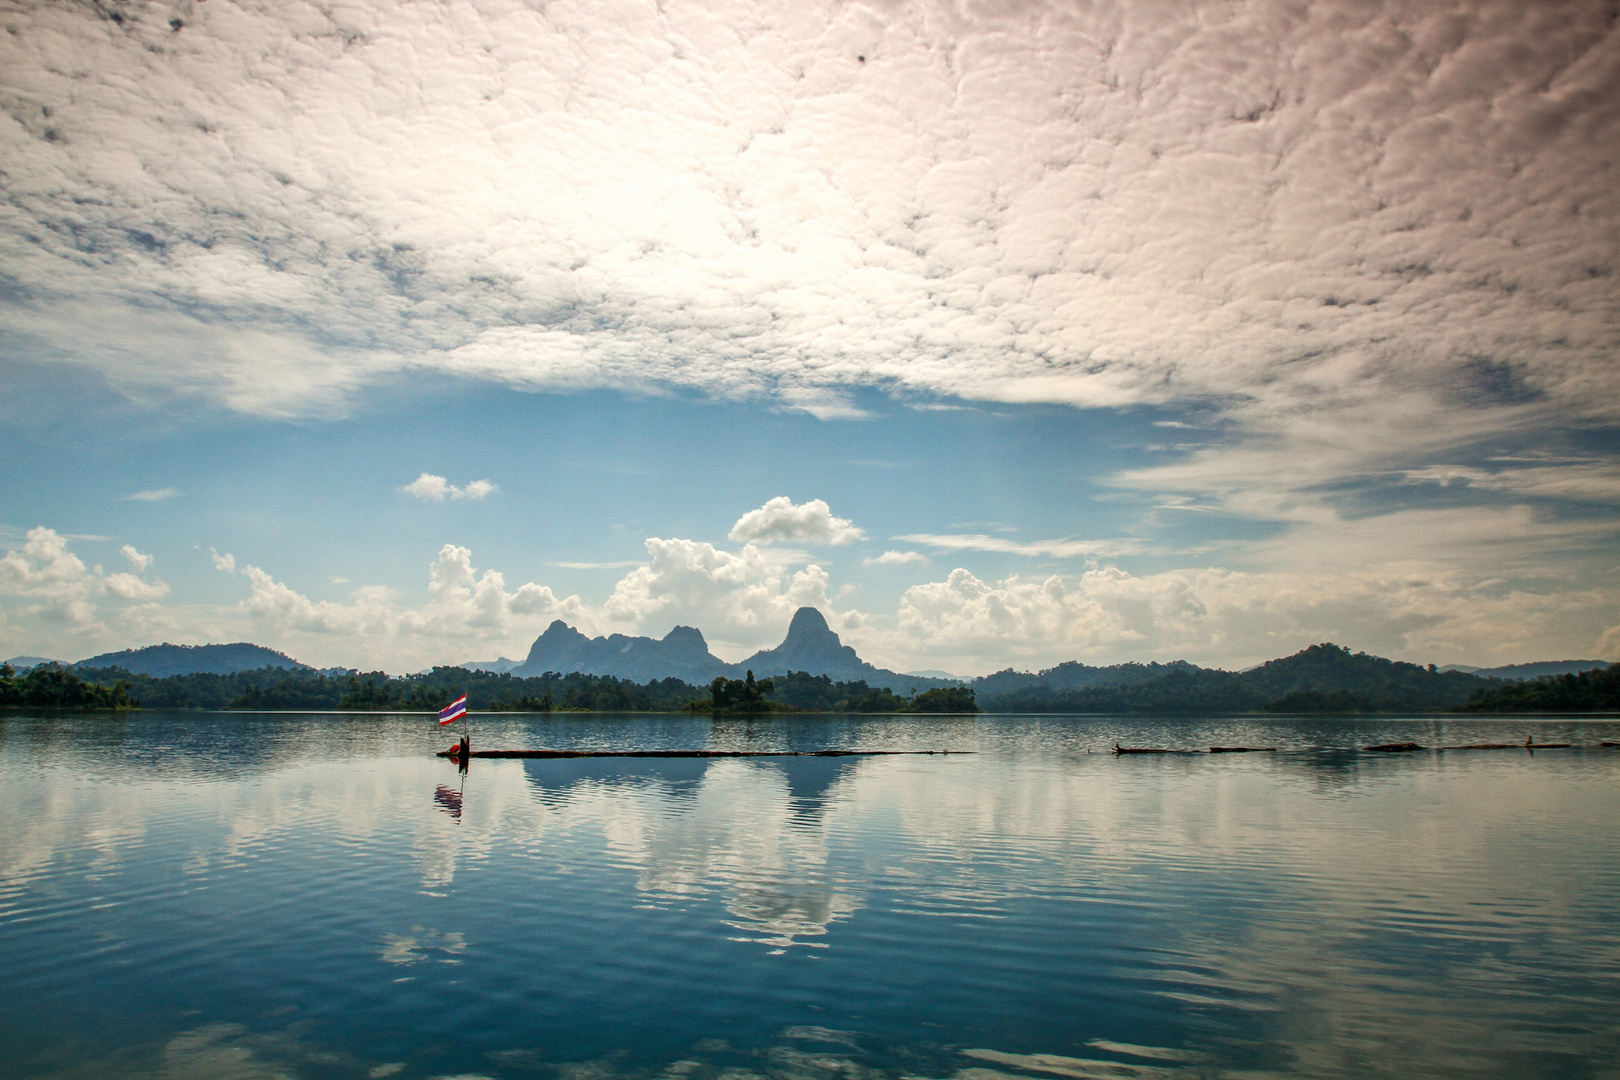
1321 679
1589 691
278 689
58 688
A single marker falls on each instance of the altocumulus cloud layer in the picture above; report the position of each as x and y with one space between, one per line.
1292 209
1371 246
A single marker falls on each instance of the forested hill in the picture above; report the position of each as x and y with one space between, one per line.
1587 691
169 659
1322 678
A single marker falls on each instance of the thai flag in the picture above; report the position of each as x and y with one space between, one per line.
453 711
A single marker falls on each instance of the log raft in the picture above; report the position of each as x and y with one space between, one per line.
456 752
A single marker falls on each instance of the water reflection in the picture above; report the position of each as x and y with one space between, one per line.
449 800
1030 911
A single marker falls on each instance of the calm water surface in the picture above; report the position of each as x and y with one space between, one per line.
258 896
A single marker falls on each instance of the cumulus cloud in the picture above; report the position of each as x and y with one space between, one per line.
737 597
895 558
1214 615
430 488
780 519
130 587
139 561
56 586
51 576
1284 207
154 495
225 562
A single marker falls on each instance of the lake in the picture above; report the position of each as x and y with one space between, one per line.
191 895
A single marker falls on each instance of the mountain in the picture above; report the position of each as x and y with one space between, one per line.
27 663
1322 678
812 647
164 660
499 665
682 653
1535 670
1073 675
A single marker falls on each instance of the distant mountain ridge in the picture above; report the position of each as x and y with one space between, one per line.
166 659
1320 679
1535 670
682 654
25 663
810 646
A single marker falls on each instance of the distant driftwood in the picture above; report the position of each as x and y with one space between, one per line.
1396 747
1242 749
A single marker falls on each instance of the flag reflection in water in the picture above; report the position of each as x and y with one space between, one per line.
449 800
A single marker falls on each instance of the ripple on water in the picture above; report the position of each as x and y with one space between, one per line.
300 896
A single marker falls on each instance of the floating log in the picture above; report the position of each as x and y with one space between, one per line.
1396 747
455 752
1511 746
1118 749
1609 744
1241 749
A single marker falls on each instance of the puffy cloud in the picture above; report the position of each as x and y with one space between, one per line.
464 607
894 558
130 587
136 559
432 488
811 523
1227 617
740 598
154 495
57 586
225 562
45 571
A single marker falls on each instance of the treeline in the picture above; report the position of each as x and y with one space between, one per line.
273 689
51 687
1321 679
799 691
1589 691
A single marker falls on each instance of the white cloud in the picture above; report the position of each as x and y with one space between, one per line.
430 488
130 587
1213 615
225 562
154 495
1593 481
1289 209
57 587
463 606
136 559
895 558
740 598
780 519
1052 549
46 572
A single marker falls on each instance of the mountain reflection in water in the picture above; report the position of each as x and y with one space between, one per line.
261 896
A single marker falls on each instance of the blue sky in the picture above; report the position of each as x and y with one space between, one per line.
1004 337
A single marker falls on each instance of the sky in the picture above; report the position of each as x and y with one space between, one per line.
1004 333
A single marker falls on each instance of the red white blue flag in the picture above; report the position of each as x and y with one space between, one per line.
453 711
